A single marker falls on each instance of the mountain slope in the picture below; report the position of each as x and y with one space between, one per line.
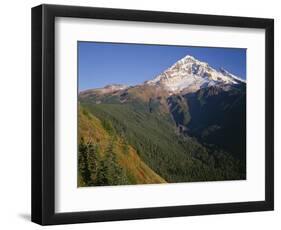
215 117
92 130
173 156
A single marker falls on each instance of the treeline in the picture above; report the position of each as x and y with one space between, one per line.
97 170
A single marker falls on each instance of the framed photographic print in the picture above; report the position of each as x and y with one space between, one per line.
141 114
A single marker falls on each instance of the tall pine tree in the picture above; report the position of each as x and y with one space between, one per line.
83 163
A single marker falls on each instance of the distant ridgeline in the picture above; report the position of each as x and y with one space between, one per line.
187 124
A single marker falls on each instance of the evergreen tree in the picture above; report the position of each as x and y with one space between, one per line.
83 162
88 162
102 177
92 155
109 170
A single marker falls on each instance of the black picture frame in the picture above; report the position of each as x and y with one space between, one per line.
43 114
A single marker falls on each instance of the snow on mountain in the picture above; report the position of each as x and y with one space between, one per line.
189 75
105 90
114 87
226 73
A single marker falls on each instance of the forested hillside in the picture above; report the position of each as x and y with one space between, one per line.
104 158
155 140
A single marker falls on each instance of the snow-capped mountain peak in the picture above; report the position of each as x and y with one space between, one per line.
189 75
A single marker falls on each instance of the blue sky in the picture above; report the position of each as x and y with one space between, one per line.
100 64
